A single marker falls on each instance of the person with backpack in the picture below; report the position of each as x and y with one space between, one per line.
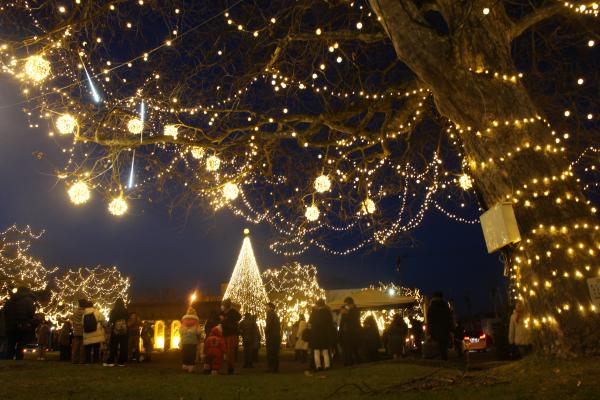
119 335
93 332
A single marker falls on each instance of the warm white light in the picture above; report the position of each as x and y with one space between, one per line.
359 25
465 182
79 193
369 206
231 191
171 130
486 11
580 81
197 152
37 68
213 163
318 31
322 184
118 206
66 124
246 231
135 126
591 43
312 213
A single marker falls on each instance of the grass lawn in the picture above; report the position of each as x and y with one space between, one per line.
532 378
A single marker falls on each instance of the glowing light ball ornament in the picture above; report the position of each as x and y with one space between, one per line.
368 206
135 126
465 182
171 130
118 206
322 184
66 124
79 193
37 68
197 152
312 213
231 191
213 163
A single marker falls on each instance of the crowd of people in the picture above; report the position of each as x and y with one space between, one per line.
88 337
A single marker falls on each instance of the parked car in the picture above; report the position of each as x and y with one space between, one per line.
476 341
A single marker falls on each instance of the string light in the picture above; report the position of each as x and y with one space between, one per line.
312 213
368 206
465 182
197 152
37 68
135 126
118 206
231 191
322 184
79 193
172 131
66 124
213 163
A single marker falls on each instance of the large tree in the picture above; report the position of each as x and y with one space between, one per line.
334 119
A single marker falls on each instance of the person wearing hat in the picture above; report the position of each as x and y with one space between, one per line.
190 333
230 319
349 332
273 338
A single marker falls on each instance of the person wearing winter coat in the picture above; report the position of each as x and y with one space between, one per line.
214 349
19 317
349 332
42 334
77 347
371 341
134 324
93 333
396 337
301 345
273 338
439 323
250 338
147 340
64 341
518 334
321 334
119 337
230 319
190 334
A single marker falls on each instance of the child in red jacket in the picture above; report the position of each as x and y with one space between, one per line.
214 348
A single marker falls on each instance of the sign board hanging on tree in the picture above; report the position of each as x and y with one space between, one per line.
499 227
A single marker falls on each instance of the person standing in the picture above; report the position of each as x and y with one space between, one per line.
518 334
230 319
19 315
42 333
191 334
147 340
118 334
439 323
273 338
417 332
93 333
64 342
214 349
77 348
301 345
321 324
371 340
350 331
134 325
396 334
250 338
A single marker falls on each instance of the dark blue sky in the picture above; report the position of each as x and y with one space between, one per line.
159 251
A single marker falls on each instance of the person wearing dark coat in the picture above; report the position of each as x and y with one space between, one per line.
119 335
321 334
417 332
250 338
273 338
19 315
230 319
349 332
439 323
370 339
396 336
212 321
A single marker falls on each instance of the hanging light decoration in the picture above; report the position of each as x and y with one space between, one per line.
312 213
368 206
197 152
213 163
171 130
118 206
37 68
79 193
465 182
231 191
322 184
135 126
66 124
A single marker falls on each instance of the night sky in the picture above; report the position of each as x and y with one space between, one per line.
180 253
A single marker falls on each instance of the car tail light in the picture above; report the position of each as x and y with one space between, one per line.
466 338
482 336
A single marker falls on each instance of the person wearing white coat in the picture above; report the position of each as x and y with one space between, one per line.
301 346
518 333
93 339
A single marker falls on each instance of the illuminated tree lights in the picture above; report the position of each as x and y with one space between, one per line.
231 191
245 287
118 206
37 68
322 184
312 213
213 163
294 289
66 124
17 267
100 285
79 193
135 126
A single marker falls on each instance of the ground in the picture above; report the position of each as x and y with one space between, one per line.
531 378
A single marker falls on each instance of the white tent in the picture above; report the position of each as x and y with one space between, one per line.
368 299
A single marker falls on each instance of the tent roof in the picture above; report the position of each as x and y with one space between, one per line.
368 299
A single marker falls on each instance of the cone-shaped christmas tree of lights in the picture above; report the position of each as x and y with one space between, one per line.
246 286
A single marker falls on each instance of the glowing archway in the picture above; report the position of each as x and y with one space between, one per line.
159 335
175 338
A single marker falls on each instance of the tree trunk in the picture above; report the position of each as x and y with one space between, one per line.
513 155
